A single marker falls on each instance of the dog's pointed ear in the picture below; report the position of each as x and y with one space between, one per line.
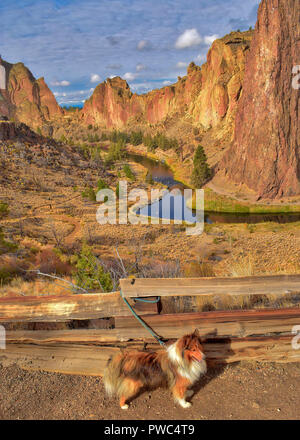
196 333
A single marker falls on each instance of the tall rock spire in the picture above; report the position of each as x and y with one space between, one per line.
265 153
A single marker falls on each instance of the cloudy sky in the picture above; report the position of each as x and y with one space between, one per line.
76 44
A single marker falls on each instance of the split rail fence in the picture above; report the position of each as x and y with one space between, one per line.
77 334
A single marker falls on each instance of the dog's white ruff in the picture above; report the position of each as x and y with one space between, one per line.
191 372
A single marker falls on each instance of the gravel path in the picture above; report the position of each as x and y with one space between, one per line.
242 391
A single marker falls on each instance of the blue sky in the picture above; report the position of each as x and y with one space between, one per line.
76 44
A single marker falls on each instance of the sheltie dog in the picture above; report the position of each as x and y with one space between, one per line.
178 367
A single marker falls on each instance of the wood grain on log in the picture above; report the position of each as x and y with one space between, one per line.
91 360
63 308
253 285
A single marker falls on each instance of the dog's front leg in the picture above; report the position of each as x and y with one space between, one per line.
180 392
123 403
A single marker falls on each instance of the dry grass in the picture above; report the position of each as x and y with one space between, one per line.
47 261
205 303
40 287
198 269
244 267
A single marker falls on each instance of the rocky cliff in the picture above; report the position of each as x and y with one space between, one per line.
13 131
265 153
26 99
207 96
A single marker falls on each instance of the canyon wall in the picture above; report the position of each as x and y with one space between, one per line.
207 95
265 153
26 99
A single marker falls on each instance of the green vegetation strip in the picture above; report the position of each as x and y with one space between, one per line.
216 203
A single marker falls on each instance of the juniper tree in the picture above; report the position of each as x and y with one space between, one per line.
89 273
201 171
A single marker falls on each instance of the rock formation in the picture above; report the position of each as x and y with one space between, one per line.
26 99
207 95
13 131
265 153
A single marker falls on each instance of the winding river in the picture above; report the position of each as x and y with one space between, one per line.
178 209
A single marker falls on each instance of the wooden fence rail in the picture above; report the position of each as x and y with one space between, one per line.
62 308
229 336
254 285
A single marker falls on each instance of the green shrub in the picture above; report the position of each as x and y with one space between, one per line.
93 138
3 209
119 136
116 151
101 184
89 193
6 275
160 141
136 138
128 172
6 246
89 273
63 139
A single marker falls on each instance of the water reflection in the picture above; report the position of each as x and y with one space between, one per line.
175 208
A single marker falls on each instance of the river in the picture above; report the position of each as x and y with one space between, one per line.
176 208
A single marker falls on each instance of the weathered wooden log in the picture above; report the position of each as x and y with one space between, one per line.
63 308
254 285
91 360
233 324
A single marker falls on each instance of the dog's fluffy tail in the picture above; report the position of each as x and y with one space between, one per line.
111 377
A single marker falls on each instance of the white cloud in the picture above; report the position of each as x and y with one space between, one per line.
181 64
189 38
95 78
167 83
140 67
209 39
144 45
63 83
73 96
129 76
146 24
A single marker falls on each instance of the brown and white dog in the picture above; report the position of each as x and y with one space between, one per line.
178 367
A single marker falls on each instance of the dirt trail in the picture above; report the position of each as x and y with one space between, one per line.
72 236
244 391
68 239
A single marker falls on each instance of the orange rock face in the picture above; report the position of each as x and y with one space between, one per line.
222 79
207 96
26 99
111 104
265 154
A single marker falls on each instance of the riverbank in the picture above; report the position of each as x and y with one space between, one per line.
224 204
214 201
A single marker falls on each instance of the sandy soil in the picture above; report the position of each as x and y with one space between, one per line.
240 391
